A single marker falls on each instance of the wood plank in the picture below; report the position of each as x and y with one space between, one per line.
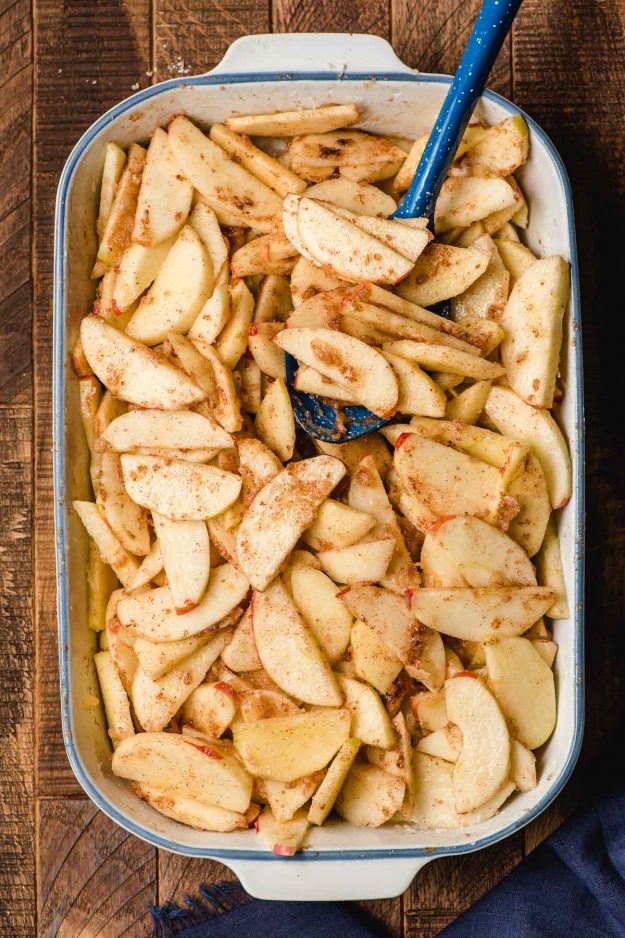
17 865
88 55
446 887
98 880
431 37
191 36
182 876
319 16
15 146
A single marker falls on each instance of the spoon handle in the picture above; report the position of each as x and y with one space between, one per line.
491 28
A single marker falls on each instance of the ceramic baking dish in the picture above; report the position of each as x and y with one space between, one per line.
260 74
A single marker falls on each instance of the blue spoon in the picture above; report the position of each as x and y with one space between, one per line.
494 20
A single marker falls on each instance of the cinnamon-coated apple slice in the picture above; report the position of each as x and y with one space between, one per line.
369 796
176 763
483 765
185 549
434 796
165 195
128 520
337 525
285 798
326 616
288 651
359 197
284 839
114 698
442 271
117 232
328 791
371 723
157 658
288 747
137 269
210 708
133 372
275 424
272 525
111 550
240 653
263 705
157 429
197 814
289 123
373 661
367 561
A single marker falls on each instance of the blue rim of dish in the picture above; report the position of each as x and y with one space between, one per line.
58 404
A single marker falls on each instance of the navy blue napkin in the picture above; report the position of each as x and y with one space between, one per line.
572 885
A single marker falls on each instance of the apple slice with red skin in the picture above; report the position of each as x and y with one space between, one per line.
284 839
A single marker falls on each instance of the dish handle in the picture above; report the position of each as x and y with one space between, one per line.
327 880
309 52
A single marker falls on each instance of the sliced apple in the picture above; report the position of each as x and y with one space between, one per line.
152 614
226 406
157 700
114 159
442 271
532 320
158 429
353 452
270 528
529 489
165 194
268 254
257 466
307 279
430 472
134 372
111 550
373 662
180 491
210 708
418 393
338 525
503 148
327 617
240 654
404 176
477 615
222 182
301 121
524 686
232 340
289 747
537 429
371 723
328 791
516 257
490 807
119 641
550 572
170 762
445 743
260 164
355 196
185 550
128 521
443 358
286 798
434 795
213 316
273 301
405 239
348 361
288 651
114 698
429 709
275 423
367 561
369 796
522 767
483 765
283 838
311 382
487 296
119 223
466 199
358 156
255 704
468 404
101 581
194 813
137 269
469 552
157 658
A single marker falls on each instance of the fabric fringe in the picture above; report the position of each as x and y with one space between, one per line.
170 919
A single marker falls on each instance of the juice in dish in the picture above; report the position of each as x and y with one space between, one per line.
289 629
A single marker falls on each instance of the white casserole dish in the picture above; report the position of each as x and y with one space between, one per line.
260 74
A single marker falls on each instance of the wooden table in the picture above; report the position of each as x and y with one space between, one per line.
65 869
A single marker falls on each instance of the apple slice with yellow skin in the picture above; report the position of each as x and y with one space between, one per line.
260 164
482 614
114 698
442 271
271 528
429 472
194 813
133 372
470 552
445 743
434 804
158 429
204 221
263 705
177 764
185 550
529 489
524 686
240 654
467 199
537 429
551 573
137 269
444 358
373 661
483 765
156 701
326 616
337 525
275 424
354 154
348 361
164 197
289 747
179 490
210 708
120 221
152 614
288 650
367 561
328 791
232 340
359 197
371 723
286 798
223 183
284 839
114 160
157 658
522 767
128 521
289 123
111 550
182 286
532 320
369 796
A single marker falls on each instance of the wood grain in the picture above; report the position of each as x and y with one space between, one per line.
179 877
432 36
17 867
98 880
312 16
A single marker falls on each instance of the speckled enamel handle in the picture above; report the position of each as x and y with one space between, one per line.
491 28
